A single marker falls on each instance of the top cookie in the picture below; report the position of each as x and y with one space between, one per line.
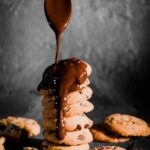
84 73
109 148
16 126
127 125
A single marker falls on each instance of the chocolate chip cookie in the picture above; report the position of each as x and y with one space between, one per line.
101 134
17 127
127 125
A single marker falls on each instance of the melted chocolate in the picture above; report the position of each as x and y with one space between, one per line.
63 78
58 14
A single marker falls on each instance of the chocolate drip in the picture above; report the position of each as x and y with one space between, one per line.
63 78
58 14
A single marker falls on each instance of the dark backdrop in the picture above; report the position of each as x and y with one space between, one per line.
111 35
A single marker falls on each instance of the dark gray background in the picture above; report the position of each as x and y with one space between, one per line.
111 35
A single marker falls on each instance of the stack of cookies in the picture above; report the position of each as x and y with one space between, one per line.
120 128
74 131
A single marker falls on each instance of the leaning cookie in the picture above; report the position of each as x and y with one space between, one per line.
108 148
100 134
17 127
2 141
49 146
127 125
72 138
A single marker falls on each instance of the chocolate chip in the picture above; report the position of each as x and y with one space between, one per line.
81 137
87 97
87 126
83 104
80 92
79 127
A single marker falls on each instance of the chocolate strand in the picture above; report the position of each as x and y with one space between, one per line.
63 78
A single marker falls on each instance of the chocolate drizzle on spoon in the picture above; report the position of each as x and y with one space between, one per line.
63 78
58 14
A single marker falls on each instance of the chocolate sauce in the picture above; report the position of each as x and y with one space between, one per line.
58 14
63 78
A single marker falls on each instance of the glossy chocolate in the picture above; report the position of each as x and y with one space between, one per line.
63 78
58 14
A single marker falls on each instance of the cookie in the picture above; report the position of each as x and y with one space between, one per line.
2 141
78 96
12 131
16 127
86 83
47 113
72 138
88 69
49 146
47 92
71 123
127 125
2 147
100 134
70 110
72 98
108 148
29 148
